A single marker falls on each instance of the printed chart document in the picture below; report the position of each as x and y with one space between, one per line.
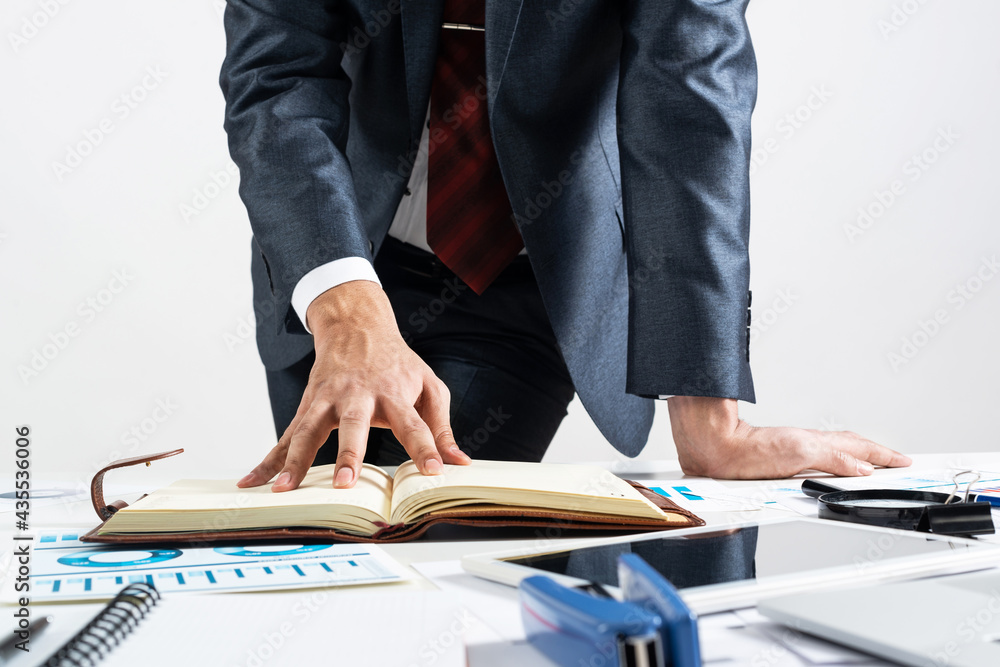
63 568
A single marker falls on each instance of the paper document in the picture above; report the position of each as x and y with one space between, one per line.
496 606
63 568
705 495
302 628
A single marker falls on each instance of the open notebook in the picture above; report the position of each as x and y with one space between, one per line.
381 507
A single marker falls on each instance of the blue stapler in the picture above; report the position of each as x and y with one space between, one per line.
650 627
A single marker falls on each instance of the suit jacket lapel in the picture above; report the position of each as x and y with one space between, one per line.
421 23
501 22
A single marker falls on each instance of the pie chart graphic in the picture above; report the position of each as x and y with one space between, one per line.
113 559
281 550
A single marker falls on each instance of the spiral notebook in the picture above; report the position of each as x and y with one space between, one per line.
110 627
138 627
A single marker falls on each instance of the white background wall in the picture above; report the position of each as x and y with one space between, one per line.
884 80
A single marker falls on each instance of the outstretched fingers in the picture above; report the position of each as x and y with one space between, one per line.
309 435
847 454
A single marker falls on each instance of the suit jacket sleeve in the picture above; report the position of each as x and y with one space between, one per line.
287 119
687 86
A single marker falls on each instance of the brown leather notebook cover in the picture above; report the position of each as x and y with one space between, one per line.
496 515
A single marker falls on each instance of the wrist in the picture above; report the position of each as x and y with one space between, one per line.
694 415
355 304
703 429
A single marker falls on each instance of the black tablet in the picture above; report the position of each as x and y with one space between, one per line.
735 566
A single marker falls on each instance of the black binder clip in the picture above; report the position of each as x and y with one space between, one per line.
958 517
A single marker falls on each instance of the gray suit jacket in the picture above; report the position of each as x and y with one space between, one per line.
622 129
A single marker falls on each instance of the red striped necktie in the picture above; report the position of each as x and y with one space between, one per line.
470 224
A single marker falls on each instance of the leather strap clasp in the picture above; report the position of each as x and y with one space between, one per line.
106 510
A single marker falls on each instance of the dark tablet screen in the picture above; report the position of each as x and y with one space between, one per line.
739 554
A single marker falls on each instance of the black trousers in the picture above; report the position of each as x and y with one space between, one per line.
496 352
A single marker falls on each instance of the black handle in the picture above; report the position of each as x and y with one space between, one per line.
815 489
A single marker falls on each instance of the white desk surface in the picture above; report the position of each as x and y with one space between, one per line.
747 647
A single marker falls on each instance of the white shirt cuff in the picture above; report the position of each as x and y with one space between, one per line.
664 397
327 276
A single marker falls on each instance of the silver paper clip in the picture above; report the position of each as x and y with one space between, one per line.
968 489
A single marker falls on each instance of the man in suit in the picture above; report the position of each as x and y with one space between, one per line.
394 157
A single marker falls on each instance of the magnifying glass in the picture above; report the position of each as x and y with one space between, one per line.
926 511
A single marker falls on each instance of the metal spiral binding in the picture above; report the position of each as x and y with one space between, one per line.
108 629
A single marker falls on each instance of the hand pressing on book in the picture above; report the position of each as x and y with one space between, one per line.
364 375
713 441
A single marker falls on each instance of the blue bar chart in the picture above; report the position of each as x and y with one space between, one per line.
66 569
